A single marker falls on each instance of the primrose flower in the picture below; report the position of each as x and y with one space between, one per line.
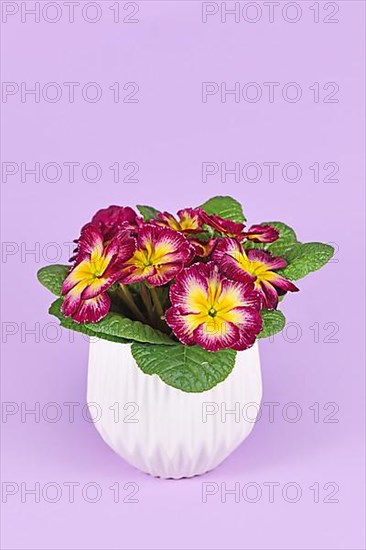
97 268
189 221
203 248
262 234
160 255
212 311
254 265
114 218
224 227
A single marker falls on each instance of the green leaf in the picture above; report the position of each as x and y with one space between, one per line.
273 322
68 323
225 207
187 368
306 258
148 212
113 327
52 277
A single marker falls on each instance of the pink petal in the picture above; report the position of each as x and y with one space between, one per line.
72 300
194 215
213 341
269 295
164 273
98 286
203 248
191 279
165 219
123 246
262 234
191 212
233 270
249 329
131 274
181 249
91 240
93 310
283 284
225 246
74 277
226 227
272 262
247 294
110 220
180 326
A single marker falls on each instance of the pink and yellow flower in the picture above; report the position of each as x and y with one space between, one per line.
189 221
222 226
114 218
212 311
262 234
98 266
254 265
203 248
160 255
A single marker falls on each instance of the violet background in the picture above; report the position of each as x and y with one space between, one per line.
169 133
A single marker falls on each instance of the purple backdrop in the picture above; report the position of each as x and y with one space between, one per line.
152 117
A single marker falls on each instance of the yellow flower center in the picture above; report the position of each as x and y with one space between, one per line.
153 255
90 272
187 222
255 268
214 307
173 224
98 264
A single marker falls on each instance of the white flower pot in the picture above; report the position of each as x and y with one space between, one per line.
164 431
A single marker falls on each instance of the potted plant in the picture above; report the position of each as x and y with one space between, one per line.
175 306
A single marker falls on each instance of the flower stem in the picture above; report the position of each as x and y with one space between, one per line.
147 301
156 301
127 297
